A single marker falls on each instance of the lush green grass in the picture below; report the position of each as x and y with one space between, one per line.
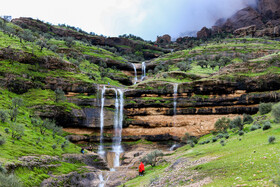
39 174
151 173
30 47
244 160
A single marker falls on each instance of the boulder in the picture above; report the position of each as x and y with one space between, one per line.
204 33
165 39
245 31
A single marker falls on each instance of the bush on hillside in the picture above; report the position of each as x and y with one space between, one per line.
3 116
2 140
9 180
59 95
241 133
7 130
222 142
266 125
271 139
254 127
152 158
222 124
236 123
247 119
276 112
214 139
17 130
265 108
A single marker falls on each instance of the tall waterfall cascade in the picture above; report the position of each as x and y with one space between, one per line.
135 73
101 147
143 70
118 124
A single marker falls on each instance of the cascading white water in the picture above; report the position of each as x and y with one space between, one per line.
101 148
173 147
118 122
175 90
143 70
135 72
101 184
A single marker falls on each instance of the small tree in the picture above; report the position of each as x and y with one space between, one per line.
236 123
17 130
42 43
69 41
276 112
247 119
265 108
59 95
222 124
152 158
16 104
3 116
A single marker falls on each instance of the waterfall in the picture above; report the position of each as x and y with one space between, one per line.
175 90
173 147
101 184
118 122
135 72
143 70
101 148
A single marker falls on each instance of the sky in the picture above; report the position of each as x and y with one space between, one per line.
145 18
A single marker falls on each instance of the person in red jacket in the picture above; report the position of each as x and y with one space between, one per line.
141 169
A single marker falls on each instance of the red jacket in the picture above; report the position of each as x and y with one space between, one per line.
141 167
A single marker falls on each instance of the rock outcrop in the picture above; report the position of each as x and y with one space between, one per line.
165 39
242 23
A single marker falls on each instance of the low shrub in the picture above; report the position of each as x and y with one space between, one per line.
152 158
214 139
9 180
7 130
276 112
271 139
266 125
226 136
247 119
254 127
54 146
220 135
236 123
2 140
241 133
265 108
222 142
3 116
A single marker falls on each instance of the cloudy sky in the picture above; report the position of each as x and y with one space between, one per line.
144 18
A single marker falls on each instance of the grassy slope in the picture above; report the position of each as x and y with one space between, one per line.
242 46
249 160
33 143
32 70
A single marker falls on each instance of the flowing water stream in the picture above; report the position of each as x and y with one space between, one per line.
117 147
143 71
101 147
135 72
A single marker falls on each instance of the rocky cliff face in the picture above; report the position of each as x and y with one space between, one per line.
266 15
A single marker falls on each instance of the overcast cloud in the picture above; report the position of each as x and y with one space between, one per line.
145 18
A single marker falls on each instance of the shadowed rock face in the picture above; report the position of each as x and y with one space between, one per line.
243 18
269 9
258 17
